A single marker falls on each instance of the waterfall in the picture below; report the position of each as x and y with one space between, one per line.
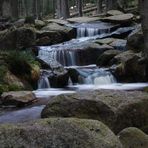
95 76
64 57
43 81
93 29
89 32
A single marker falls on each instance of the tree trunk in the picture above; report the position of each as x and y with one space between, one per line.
63 9
111 4
79 5
99 6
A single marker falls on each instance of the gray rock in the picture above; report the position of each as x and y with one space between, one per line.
128 68
83 19
123 18
117 109
59 133
133 137
114 12
17 98
105 58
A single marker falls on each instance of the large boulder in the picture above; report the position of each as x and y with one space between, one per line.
133 137
48 37
117 109
67 32
17 98
105 58
135 41
59 133
19 38
128 68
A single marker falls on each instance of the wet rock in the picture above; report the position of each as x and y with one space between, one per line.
133 137
59 132
67 32
17 98
119 44
105 41
117 109
83 19
128 68
123 18
43 41
49 37
59 76
114 12
19 38
105 58
135 41
122 32
90 52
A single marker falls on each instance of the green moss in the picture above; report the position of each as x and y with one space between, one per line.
14 87
3 88
3 70
19 63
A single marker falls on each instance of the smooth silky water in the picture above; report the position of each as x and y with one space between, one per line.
90 76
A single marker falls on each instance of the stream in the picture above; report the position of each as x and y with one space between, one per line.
73 55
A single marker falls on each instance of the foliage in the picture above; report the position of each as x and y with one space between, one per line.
14 87
19 63
3 71
3 88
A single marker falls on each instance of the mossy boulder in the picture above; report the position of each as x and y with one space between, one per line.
133 137
17 38
117 109
128 68
105 58
59 133
135 41
67 32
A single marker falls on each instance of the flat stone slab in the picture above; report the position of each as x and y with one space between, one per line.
114 12
83 19
119 18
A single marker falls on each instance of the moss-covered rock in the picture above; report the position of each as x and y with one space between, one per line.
59 133
133 138
128 68
105 58
117 109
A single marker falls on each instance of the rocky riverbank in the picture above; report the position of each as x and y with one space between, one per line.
41 51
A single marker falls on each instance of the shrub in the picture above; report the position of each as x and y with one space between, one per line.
3 70
19 63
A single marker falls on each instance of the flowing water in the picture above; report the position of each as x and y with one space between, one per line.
89 76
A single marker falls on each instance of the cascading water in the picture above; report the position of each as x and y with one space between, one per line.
97 76
64 57
93 29
43 81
